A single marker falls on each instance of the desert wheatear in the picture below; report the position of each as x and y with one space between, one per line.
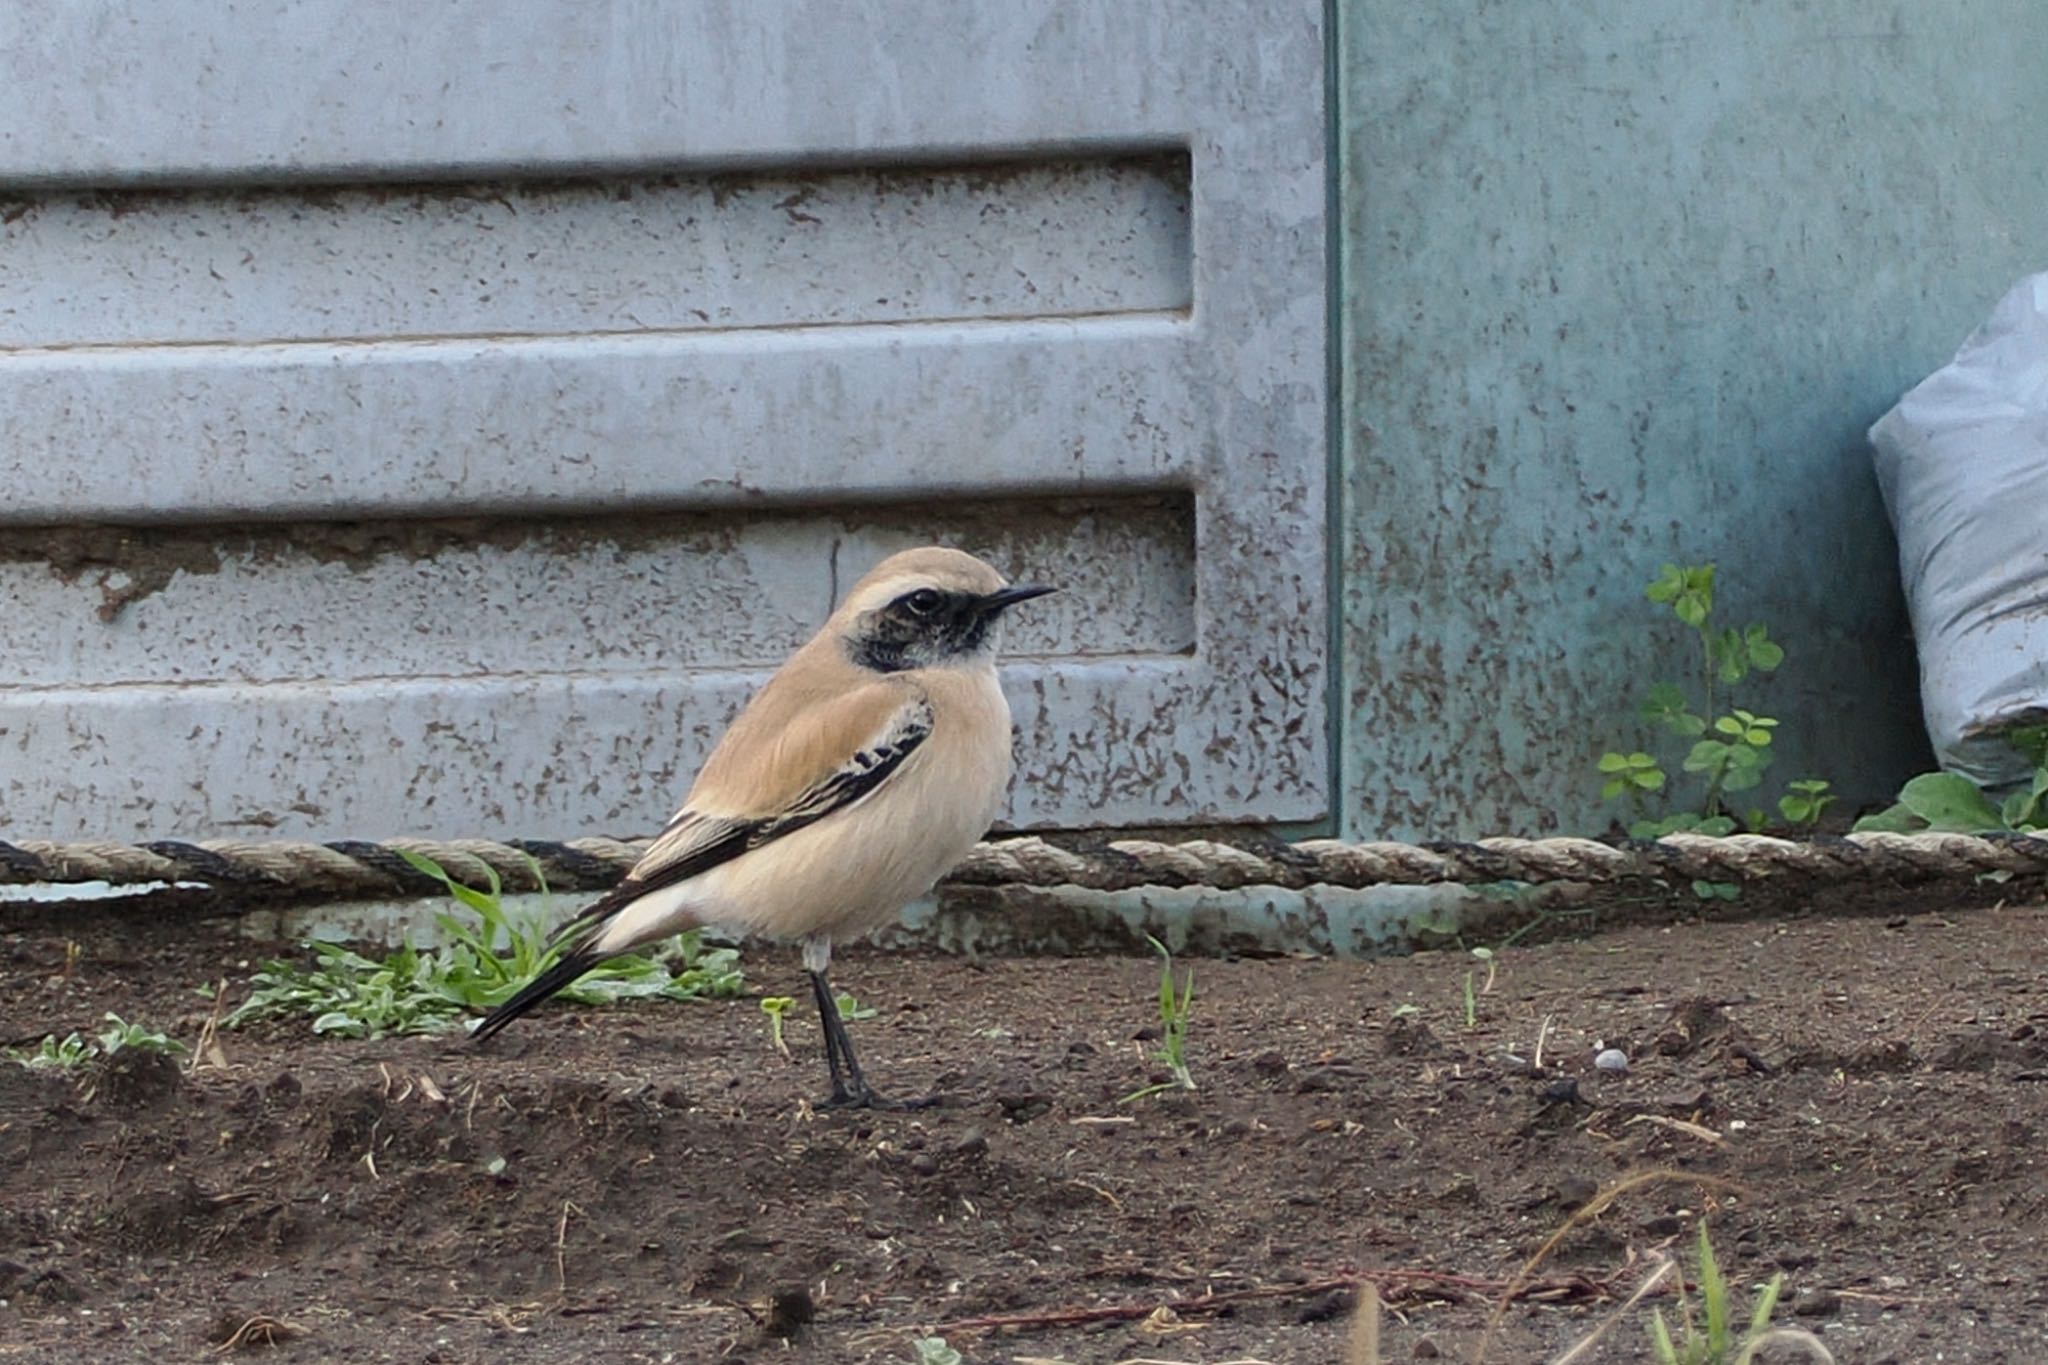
863 770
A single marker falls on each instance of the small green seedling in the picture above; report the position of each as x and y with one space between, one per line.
775 1006
120 1035
934 1351
56 1054
1711 1337
1804 801
851 1009
1716 891
1174 1005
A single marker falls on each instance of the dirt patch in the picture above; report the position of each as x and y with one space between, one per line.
650 1183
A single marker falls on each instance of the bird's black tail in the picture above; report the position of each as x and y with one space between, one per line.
572 965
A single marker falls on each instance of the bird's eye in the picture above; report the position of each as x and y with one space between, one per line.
923 602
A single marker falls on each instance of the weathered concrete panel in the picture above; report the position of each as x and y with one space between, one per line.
654 595
669 301
666 254
206 91
1625 283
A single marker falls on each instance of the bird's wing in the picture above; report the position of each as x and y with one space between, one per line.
824 758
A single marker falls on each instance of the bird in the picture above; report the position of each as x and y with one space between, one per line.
859 774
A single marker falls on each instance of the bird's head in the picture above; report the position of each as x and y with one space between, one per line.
926 608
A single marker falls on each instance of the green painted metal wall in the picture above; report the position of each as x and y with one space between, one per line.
1623 282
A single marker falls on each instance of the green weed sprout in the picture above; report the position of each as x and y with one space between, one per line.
851 1009
775 1006
56 1054
481 964
1174 1005
120 1035
1710 1337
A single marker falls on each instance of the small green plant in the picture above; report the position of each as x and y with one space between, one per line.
72 1051
1730 748
775 1006
851 1009
934 1351
1711 1336
1949 803
56 1054
1174 1004
481 964
120 1035
1804 802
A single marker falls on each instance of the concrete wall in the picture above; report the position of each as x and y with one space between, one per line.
439 419
1625 282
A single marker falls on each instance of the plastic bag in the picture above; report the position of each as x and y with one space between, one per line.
1963 464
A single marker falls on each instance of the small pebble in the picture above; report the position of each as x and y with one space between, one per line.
1823 1303
1611 1059
924 1164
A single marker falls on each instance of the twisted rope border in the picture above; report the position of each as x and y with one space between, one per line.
363 868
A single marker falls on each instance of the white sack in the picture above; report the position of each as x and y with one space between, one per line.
1963 462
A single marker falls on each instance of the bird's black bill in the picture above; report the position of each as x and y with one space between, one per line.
993 602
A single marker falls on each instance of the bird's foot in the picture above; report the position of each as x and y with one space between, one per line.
864 1097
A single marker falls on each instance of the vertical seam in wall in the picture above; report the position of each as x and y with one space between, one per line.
1333 402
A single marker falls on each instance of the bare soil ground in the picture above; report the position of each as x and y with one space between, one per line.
649 1183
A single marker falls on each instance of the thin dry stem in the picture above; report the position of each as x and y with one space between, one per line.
207 1051
561 1248
1587 1342
1365 1327
1586 1213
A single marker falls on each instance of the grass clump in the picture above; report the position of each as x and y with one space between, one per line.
1174 1004
1710 1335
483 961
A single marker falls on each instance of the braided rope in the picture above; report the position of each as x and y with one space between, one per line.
375 869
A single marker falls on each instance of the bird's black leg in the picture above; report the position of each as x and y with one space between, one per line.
853 1092
834 1030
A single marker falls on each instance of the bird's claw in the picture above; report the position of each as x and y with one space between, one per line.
865 1098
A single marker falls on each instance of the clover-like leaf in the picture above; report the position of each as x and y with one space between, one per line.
1764 653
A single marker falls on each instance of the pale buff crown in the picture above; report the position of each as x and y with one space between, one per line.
929 566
